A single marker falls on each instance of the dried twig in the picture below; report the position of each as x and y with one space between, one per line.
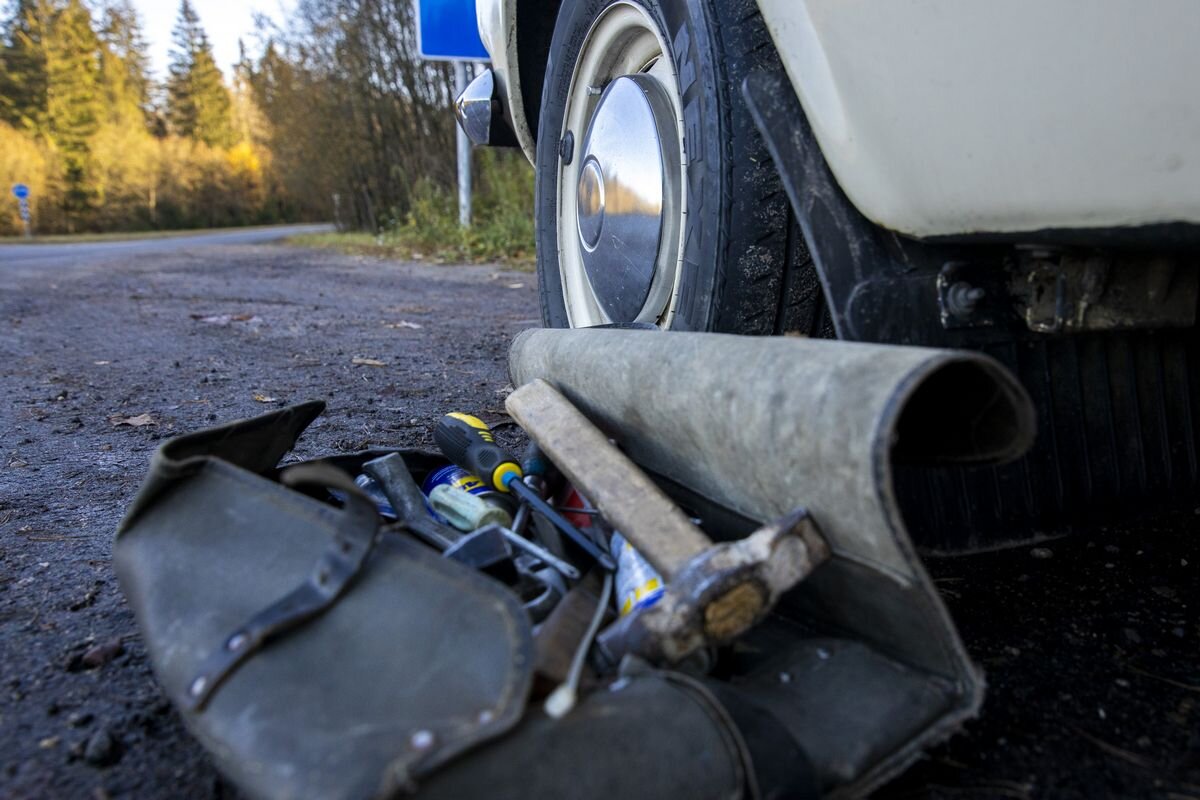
1178 684
1113 750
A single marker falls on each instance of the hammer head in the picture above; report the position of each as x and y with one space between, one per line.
720 593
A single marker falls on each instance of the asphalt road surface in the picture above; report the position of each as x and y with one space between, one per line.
14 256
1089 643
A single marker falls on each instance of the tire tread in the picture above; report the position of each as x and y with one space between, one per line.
765 265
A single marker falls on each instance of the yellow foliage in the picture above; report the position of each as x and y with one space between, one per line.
21 161
244 160
137 181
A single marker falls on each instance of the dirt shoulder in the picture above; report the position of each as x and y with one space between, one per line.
180 342
1090 651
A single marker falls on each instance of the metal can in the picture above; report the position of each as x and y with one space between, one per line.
452 475
374 491
638 584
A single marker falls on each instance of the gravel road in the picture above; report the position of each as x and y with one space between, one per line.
1089 643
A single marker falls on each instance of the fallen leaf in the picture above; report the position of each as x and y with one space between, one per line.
223 319
367 362
403 324
141 420
262 398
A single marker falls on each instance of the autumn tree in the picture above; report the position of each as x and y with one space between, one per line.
198 103
23 65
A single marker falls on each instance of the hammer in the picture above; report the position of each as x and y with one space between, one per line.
714 592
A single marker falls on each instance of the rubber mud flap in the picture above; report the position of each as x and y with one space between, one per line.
417 662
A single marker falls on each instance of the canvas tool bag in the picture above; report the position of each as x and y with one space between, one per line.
314 653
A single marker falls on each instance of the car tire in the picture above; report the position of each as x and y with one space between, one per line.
740 261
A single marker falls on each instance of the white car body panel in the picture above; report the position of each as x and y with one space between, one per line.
961 116
952 117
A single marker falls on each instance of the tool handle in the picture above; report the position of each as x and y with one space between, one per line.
402 492
468 442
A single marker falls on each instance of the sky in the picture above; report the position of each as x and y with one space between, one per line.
224 21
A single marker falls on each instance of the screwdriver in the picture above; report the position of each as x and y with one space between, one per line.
468 442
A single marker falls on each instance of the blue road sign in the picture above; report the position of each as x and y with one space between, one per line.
20 191
447 31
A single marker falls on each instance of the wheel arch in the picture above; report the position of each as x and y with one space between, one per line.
535 26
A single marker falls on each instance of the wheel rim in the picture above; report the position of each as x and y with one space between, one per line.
621 197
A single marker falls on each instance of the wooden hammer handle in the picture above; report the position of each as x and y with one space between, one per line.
628 499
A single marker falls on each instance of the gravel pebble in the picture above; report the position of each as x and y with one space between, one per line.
101 749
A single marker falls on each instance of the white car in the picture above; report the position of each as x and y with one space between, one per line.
1021 177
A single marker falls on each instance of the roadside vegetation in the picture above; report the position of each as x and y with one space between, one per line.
501 230
333 117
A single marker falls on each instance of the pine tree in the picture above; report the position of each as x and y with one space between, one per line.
198 103
23 66
73 99
125 66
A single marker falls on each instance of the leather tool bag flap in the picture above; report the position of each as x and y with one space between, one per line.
311 655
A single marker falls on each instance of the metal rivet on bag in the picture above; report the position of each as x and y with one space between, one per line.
198 686
236 642
422 740
485 717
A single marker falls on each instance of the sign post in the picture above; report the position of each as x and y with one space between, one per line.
21 192
446 31
464 153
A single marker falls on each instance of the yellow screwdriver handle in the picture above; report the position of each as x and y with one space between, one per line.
468 442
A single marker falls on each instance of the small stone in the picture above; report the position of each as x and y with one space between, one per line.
100 654
1041 552
49 742
101 749
80 718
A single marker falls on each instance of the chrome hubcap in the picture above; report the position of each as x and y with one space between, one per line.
623 191
621 197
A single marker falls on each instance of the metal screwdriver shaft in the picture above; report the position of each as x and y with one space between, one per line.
468 442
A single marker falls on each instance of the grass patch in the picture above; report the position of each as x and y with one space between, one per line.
502 221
